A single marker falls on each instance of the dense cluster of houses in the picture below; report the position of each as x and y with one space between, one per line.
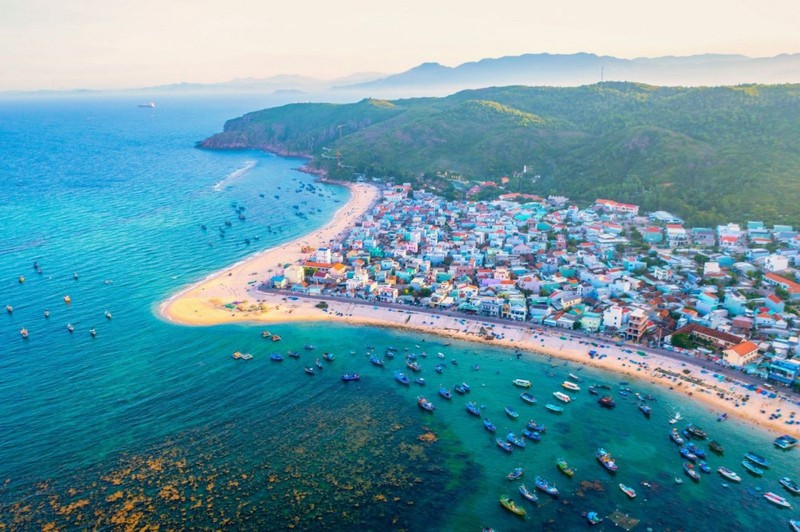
728 293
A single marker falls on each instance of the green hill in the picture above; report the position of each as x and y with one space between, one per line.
708 154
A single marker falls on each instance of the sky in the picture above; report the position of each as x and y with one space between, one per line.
108 44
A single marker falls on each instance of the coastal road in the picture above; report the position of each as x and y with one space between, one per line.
542 329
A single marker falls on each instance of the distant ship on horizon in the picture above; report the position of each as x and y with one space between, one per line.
149 105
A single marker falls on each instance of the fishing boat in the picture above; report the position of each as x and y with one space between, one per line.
593 518
528 398
716 447
23 332
514 475
318 363
646 410
696 450
511 412
309 370
9 309
376 361
413 366
21 279
704 467
309 347
593 390
697 432
630 492
425 404
275 338
93 332
512 507
265 334
562 466
349 377
330 357
674 419
532 425
276 357
531 496
107 314
459 389
785 442
561 396
776 499
689 455
473 409
790 485
70 328
722 417
605 459
488 425
752 468
515 441
674 436
573 377
438 368
532 435
554 408
504 445
466 387
757 459
444 392
570 386
420 381
401 378
546 487
67 299
691 472
730 475
242 356
795 524
293 354
607 401
522 383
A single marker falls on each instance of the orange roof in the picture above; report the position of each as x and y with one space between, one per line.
791 286
744 348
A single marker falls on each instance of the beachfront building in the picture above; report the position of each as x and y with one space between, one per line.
637 325
294 274
741 354
784 371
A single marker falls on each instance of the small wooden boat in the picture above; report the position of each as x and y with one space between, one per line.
528 398
512 507
425 404
722 417
593 390
420 381
554 408
564 467
9 309
21 279
785 442
532 435
107 314
444 392
704 467
70 328
646 410
460 389
514 475
318 363
376 361
275 338
511 412
438 368
757 459
350 377
531 496
790 485
570 386
276 357
776 499
401 378
561 396
504 445
67 299
696 432
93 332
23 332
593 518
716 447
728 474
532 425
309 370
686 453
522 383
752 468
413 366
795 524
696 450
46 313
573 377
265 334
606 460
466 387
330 357
309 347
515 441
690 471
627 490
473 409
675 437
546 487
488 425
293 354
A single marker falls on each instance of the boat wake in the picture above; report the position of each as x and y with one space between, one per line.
239 172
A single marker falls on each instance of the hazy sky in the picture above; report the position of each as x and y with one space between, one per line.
60 44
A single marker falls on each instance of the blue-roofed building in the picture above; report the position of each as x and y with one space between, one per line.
785 371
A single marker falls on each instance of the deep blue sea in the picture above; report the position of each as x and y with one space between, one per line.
151 423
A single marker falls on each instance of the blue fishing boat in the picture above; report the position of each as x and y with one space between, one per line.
514 475
532 435
309 347
413 366
439 368
605 459
528 398
318 363
752 468
546 487
785 442
309 370
466 387
276 357
504 445
401 378
697 432
607 401
329 357
473 409
460 389
488 425
554 408
694 449
704 467
690 471
532 425
515 441
790 485
294 354
646 410
674 436
593 518
757 459
531 496
349 377
444 392
511 412
420 381
376 361
686 453
425 404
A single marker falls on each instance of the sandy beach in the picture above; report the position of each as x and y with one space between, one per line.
231 295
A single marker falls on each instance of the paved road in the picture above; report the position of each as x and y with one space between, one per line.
597 338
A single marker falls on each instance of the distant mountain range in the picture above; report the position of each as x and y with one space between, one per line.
434 79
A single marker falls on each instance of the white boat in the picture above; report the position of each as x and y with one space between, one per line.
522 383
730 475
564 398
570 386
574 377
674 419
777 499
148 105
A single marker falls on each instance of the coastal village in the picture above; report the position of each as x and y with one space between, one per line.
727 294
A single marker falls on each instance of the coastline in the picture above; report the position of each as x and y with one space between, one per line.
231 296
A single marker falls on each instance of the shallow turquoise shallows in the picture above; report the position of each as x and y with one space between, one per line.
149 422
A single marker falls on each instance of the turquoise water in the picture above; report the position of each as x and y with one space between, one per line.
149 422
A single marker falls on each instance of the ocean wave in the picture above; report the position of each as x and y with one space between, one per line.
239 172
